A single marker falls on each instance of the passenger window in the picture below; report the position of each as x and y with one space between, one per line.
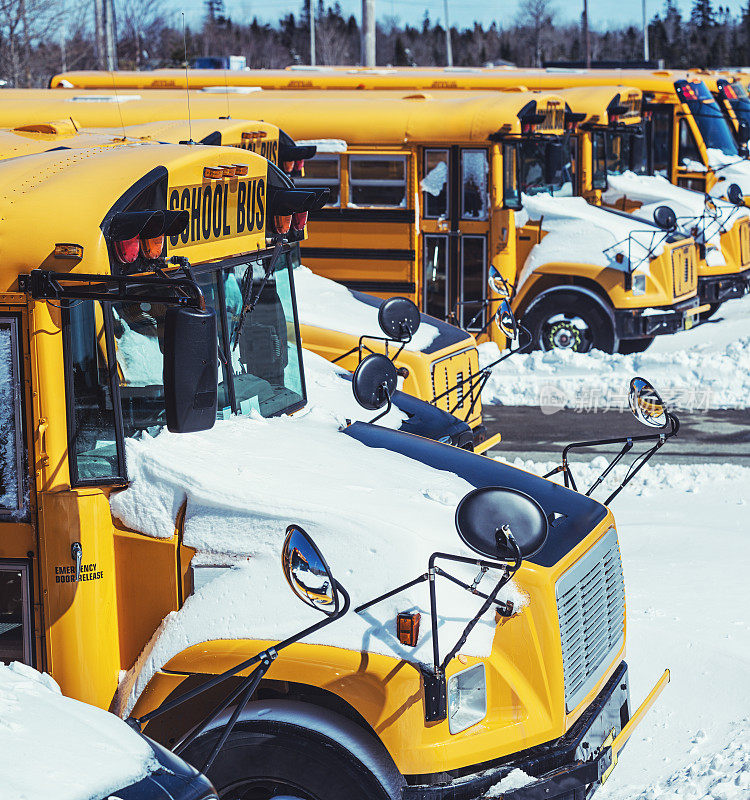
435 184
377 181
323 170
15 613
688 148
11 441
474 177
436 276
661 126
511 190
473 283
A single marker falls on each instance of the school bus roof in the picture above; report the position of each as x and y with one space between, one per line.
28 139
605 104
65 195
395 117
208 131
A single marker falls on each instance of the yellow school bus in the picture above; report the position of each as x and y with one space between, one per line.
614 169
148 286
440 365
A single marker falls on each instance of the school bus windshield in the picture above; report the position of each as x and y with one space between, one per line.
535 176
258 370
712 125
619 151
741 104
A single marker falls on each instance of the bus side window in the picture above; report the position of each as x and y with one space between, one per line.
474 179
377 180
435 184
511 191
323 170
661 126
11 441
688 147
599 158
15 612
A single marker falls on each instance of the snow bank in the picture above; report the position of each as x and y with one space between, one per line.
707 367
326 304
56 747
376 515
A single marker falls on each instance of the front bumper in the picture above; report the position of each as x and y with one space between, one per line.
719 288
638 323
567 768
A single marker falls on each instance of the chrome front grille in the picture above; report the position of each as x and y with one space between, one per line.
591 612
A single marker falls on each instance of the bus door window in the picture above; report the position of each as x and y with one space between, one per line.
599 158
661 140
688 147
435 184
12 472
511 186
570 168
377 180
323 170
15 612
474 184
472 313
435 280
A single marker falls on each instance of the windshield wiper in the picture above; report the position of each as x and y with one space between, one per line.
248 303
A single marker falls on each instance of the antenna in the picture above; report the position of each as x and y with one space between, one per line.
187 80
117 99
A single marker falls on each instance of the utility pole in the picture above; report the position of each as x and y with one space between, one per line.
448 44
586 40
110 34
101 49
368 33
645 31
312 33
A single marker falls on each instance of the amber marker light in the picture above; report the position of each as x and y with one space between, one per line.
213 173
407 628
66 250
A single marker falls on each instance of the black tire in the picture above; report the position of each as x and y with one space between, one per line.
570 307
264 760
628 346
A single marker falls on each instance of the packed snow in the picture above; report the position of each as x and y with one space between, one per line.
360 504
703 368
56 747
326 304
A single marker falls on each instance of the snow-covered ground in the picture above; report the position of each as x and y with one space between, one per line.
55 747
706 367
685 543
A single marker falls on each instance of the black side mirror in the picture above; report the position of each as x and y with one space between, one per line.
743 132
399 318
190 369
734 194
665 218
553 162
374 381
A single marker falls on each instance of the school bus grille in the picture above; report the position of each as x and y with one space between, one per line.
745 242
450 374
683 270
554 118
591 612
633 104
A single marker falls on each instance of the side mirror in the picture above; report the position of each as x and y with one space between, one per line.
743 132
307 572
491 520
665 218
553 162
646 404
498 284
734 192
505 320
399 318
374 381
191 361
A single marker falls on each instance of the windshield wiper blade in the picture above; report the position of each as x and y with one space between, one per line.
248 303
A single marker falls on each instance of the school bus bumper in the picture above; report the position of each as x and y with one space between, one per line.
719 288
637 323
568 767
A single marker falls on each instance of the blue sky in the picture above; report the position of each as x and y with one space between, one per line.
601 12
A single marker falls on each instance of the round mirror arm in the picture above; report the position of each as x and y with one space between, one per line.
389 405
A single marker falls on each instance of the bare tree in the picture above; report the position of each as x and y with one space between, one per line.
24 24
537 16
139 24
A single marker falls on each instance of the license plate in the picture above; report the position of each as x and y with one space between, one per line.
689 322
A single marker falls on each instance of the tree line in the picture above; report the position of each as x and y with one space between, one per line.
41 37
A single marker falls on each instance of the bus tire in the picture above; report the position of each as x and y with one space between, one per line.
570 320
628 346
269 759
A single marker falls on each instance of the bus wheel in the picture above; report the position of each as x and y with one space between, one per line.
272 760
628 346
570 321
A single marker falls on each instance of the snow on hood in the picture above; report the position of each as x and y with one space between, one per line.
56 747
689 206
376 516
730 168
578 231
323 303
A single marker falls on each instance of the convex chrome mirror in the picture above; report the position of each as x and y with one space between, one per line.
734 194
646 404
498 284
399 318
505 320
307 572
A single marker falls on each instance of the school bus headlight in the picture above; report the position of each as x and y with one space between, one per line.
467 698
67 250
639 284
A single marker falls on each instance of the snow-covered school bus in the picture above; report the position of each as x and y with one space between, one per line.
144 288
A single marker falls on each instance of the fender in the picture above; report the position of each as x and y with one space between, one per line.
322 722
591 295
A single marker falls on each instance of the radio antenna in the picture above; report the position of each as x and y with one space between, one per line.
187 80
117 100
